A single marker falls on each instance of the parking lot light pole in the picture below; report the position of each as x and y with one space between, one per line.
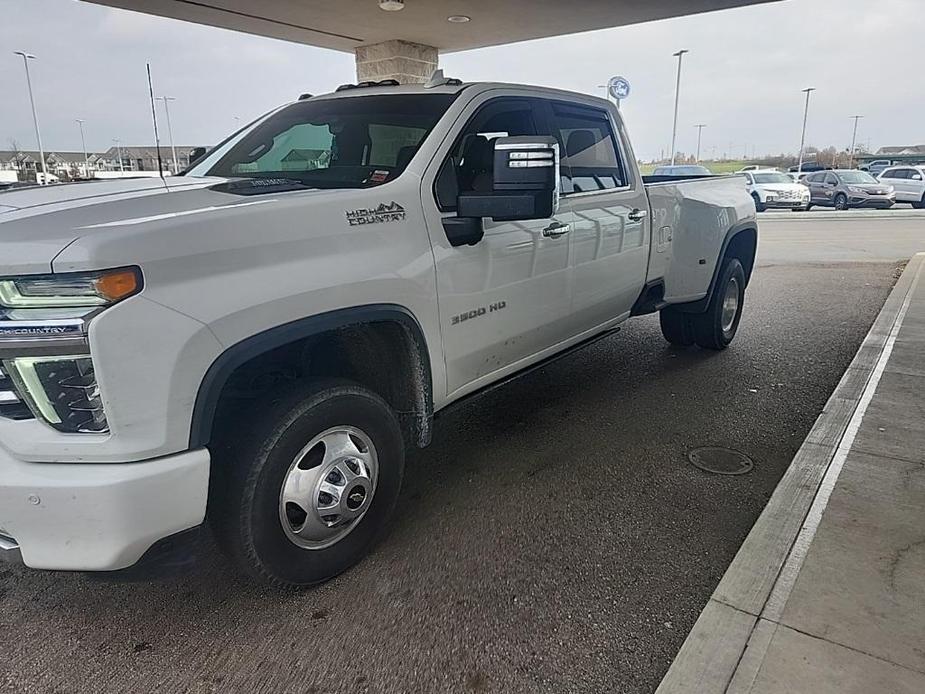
26 57
700 127
807 91
854 139
677 94
173 149
83 143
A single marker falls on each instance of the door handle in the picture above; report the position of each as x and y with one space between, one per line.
556 229
637 215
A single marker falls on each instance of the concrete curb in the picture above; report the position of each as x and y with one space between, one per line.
732 619
847 215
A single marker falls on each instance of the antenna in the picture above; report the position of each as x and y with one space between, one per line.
157 140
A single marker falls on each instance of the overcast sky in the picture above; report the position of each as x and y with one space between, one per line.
742 78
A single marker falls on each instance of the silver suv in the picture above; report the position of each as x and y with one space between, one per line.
848 188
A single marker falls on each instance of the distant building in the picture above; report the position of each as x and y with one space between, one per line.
64 165
902 150
71 165
903 154
141 158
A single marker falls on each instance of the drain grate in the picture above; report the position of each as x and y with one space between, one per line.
720 461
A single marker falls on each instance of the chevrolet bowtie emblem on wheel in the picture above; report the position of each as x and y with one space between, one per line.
392 212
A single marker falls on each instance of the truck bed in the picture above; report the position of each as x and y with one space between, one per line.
691 216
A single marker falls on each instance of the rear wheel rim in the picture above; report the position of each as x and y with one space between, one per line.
328 488
730 305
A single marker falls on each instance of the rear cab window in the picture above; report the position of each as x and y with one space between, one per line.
590 155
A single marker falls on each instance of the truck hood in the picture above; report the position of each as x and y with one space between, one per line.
37 223
36 196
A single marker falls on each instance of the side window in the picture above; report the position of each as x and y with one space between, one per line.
901 173
831 179
469 165
748 179
590 158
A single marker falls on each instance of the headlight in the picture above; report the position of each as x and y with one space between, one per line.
853 189
60 390
70 289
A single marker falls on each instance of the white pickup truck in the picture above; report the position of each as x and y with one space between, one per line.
257 341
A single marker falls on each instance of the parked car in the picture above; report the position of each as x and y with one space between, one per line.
908 182
877 166
682 170
264 335
771 188
846 188
808 167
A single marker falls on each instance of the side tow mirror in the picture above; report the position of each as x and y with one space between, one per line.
525 181
525 185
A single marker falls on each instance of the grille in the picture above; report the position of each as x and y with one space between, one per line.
11 405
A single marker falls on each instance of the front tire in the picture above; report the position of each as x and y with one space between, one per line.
759 206
920 204
841 202
717 326
308 488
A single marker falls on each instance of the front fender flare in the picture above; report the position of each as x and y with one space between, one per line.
215 378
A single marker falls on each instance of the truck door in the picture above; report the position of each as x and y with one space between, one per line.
504 300
609 214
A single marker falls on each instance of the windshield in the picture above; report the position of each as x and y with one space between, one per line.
857 177
351 142
772 177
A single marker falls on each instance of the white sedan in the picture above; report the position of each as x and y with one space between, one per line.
775 189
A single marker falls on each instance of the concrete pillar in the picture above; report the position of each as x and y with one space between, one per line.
409 63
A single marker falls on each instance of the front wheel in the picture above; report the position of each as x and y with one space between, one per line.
759 206
309 487
920 204
717 326
841 202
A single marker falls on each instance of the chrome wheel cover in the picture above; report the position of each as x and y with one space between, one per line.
730 305
329 487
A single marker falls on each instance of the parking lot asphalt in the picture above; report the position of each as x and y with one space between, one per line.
553 538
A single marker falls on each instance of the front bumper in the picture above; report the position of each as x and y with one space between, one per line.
879 201
787 203
97 517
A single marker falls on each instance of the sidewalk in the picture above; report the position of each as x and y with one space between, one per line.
827 593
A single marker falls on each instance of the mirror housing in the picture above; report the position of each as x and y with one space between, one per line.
525 181
195 154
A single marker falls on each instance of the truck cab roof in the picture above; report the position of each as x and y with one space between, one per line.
453 87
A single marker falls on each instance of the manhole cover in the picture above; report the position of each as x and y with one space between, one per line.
720 461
